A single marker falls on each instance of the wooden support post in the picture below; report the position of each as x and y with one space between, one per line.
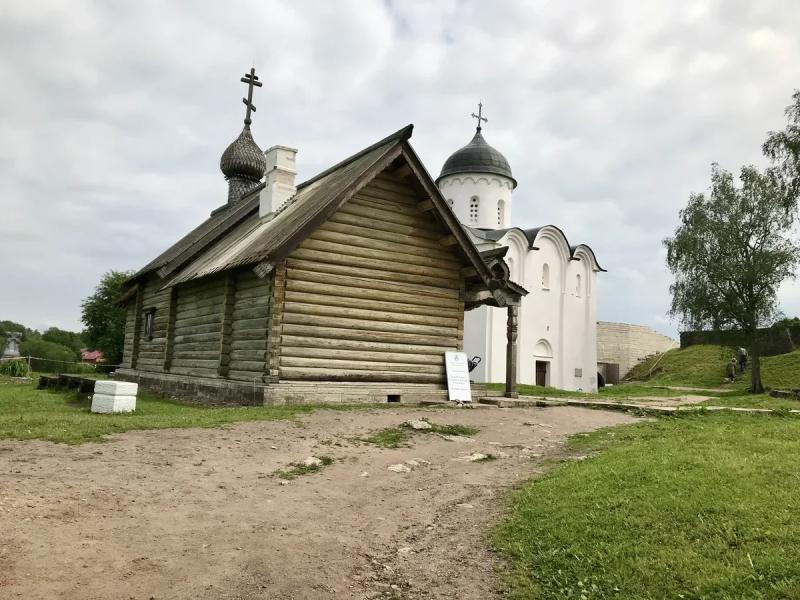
228 300
169 343
275 325
137 326
511 353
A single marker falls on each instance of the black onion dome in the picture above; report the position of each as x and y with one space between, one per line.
477 157
243 158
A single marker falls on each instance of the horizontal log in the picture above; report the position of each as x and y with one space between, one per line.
245 313
379 225
254 377
210 303
248 355
363 235
341 333
194 372
368 314
255 366
254 345
192 319
207 346
337 353
154 355
257 302
197 357
253 293
198 314
379 269
247 280
250 334
257 323
321 374
193 329
360 365
358 280
388 216
194 363
325 344
295 318
450 309
197 337
382 182
401 208
388 196
389 253
367 239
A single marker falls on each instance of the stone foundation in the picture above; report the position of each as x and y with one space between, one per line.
225 392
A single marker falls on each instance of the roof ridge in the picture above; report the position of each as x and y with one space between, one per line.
399 135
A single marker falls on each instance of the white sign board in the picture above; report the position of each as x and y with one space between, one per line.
457 377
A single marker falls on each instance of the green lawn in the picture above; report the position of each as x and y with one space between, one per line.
614 392
754 401
28 413
697 507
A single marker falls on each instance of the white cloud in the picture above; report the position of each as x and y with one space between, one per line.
113 117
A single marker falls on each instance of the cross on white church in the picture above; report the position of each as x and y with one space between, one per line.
557 329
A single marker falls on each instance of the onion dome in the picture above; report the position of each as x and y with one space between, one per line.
243 158
477 157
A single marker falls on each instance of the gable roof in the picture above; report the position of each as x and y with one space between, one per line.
236 236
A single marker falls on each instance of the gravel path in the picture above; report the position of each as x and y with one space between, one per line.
198 513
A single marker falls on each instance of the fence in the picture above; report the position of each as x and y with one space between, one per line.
46 365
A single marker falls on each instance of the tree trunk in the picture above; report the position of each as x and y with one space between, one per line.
756 387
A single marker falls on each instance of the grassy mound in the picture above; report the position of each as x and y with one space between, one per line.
704 365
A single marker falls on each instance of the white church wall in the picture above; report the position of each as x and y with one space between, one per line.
462 192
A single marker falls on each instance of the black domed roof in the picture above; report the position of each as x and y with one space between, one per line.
477 157
243 158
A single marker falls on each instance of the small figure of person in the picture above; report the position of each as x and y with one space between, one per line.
730 369
742 359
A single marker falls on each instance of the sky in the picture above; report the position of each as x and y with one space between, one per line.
113 117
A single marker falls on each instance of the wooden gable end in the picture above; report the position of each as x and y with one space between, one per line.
372 294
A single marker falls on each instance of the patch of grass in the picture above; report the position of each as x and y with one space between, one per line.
391 437
754 401
781 372
398 437
463 430
538 391
691 507
300 469
28 413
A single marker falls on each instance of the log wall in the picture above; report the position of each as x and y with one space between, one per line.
249 327
198 327
149 352
372 295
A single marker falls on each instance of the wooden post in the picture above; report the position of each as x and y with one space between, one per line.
511 353
228 300
275 325
169 344
137 327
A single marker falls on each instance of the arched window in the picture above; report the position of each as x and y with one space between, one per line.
473 210
501 213
545 276
578 285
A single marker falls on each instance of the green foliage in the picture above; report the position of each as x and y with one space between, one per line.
14 368
787 322
692 507
104 319
730 252
70 339
783 148
298 469
50 357
398 437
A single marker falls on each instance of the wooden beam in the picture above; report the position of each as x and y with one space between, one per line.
448 240
137 326
468 272
403 171
229 299
169 344
425 205
511 353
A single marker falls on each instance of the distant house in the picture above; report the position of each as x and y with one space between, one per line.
91 356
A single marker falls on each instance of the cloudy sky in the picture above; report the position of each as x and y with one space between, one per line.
113 116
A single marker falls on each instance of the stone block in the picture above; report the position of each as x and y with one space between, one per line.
116 388
103 403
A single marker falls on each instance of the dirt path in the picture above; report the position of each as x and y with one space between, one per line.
197 513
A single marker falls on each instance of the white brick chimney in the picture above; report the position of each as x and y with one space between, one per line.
279 186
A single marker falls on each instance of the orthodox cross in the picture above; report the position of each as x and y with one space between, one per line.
480 116
251 79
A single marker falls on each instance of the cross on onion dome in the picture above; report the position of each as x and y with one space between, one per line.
251 79
480 116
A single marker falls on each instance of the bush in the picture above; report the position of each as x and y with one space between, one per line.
49 357
15 368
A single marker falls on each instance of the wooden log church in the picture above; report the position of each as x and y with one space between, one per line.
348 287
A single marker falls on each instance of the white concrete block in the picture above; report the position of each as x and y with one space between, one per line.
103 403
116 388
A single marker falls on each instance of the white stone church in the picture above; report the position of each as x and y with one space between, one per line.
557 337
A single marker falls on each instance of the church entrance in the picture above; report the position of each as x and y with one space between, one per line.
542 372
